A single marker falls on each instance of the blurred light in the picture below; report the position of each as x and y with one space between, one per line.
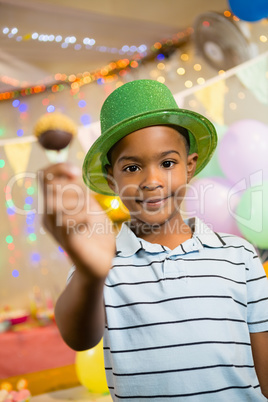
82 103
19 38
188 84
197 67
233 106
35 35
263 38
15 273
19 132
115 203
30 229
23 107
85 119
50 108
32 237
241 95
201 80
11 211
206 23
29 200
58 38
133 48
184 56
9 239
61 249
161 66
15 103
64 45
30 190
160 57
14 31
181 71
51 38
11 246
227 13
161 79
35 257
125 48
2 163
142 48
5 30
77 47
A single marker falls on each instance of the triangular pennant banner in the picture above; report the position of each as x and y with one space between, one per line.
254 78
212 98
18 157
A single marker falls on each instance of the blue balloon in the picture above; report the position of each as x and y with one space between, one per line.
249 10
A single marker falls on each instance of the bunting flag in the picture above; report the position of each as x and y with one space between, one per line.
255 78
212 98
18 155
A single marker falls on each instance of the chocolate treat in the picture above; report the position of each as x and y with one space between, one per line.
55 139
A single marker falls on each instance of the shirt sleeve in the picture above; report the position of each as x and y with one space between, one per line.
257 294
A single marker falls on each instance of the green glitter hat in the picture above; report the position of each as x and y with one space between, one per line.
135 105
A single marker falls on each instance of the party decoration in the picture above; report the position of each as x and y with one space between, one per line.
254 78
214 201
207 97
18 156
265 266
243 152
55 131
90 371
252 215
248 10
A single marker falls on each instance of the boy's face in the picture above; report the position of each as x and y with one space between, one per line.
151 169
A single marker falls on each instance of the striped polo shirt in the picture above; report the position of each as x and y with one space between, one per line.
178 321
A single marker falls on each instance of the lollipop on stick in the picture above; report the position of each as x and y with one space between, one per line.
54 132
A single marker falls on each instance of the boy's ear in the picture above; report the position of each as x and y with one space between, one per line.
110 177
191 165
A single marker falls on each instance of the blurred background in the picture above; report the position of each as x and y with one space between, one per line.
67 57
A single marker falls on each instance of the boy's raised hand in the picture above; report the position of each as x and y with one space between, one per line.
77 221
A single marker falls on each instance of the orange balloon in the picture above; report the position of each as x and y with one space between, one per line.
265 266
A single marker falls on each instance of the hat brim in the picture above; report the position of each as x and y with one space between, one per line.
203 140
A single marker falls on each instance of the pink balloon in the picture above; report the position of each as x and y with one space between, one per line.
214 201
243 152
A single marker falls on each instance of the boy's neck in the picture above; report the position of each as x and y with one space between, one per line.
170 234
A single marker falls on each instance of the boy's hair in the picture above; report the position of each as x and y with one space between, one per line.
181 130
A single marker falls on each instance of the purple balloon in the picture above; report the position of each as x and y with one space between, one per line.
213 200
243 152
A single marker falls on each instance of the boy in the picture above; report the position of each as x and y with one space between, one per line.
183 310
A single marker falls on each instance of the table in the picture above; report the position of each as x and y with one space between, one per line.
33 349
77 394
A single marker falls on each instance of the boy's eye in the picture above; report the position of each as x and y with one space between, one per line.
168 164
131 168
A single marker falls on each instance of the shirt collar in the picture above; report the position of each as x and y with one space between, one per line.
128 244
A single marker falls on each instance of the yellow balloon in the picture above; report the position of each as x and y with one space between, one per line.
89 366
265 266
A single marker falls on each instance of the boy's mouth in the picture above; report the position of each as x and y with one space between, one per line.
153 202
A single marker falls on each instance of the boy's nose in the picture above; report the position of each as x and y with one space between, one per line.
152 180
